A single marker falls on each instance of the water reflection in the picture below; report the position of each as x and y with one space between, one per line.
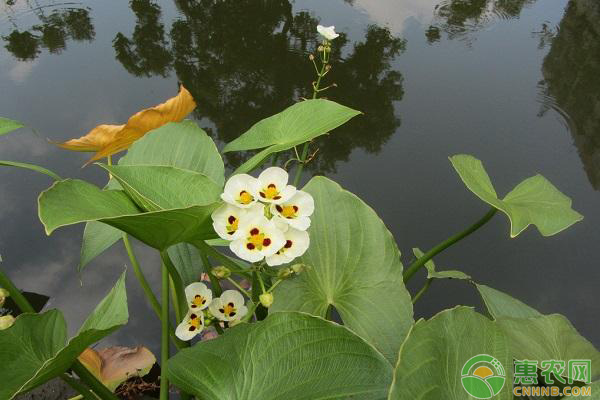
571 82
459 18
242 72
52 31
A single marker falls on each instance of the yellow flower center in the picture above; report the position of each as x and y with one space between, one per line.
198 301
245 198
288 212
270 192
228 309
232 224
194 323
257 240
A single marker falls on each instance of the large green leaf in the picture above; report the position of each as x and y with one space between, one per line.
183 145
74 201
35 349
533 336
289 356
500 304
187 261
548 337
432 273
432 357
178 144
295 125
155 188
8 125
534 201
354 266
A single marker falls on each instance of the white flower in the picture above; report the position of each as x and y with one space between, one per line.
192 324
273 187
240 190
257 238
198 296
296 243
328 32
226 219
229 307
296 211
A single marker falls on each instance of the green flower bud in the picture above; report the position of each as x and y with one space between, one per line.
221 272
320 49
311 57
284 273
298 268
266 299
6 322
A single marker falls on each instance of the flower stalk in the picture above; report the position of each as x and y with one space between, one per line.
164 342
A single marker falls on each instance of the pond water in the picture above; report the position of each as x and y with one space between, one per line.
516 83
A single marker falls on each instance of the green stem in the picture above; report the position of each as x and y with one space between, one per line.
93 383
79 387
85 375
216 285
305 148
251 311
277 282
15 293
414 267
137 270
177 282
164 342
422 291
241 289
178 316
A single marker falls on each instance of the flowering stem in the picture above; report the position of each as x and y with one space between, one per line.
86 376
181 302
164 341
316 90
15 293
422 291
415 266
277 282
241 289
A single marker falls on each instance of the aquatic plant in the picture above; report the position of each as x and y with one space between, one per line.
310 300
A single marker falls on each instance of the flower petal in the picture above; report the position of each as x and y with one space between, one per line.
232 296
240 190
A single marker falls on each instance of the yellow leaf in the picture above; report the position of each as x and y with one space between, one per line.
106 140
114 365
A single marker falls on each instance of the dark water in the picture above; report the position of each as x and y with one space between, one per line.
514 82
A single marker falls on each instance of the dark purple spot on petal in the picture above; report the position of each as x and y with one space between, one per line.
262 194
192 328
231 314
279 208
288 244
254 231
221 310
231 219
266 242
250 246
271 185
276 197
295 208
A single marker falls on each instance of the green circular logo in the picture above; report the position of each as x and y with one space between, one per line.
483 376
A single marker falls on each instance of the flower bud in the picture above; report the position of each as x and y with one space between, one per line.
311 57
221 272
284 273
266 299
327 67
3 295
6 322
298 268
320 48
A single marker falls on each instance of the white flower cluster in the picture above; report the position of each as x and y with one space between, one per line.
228 307
264 217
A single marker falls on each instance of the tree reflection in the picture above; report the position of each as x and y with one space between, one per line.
244 60
459 18
52 33
571 83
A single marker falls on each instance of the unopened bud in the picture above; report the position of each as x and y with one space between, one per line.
221 272
6 322
284 273
320 48
266 299
327 67
298 268
311 57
